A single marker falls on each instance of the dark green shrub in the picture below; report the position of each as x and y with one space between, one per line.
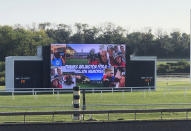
2 66
163 68
2 81
178 67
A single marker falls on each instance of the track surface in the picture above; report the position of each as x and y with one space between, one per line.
175 125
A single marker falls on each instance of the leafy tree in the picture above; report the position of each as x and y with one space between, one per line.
20 40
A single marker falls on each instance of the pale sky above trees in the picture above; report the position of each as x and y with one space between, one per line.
134 15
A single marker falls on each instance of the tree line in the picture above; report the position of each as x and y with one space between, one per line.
20 41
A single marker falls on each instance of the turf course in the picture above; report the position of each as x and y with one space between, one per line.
161 96
94 99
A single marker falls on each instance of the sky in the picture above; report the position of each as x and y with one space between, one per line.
84 47
133 15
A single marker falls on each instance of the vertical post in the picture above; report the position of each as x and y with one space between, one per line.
76 102
13 97
122 92
161 115
53 117
12 93
84 99
58 95
190 44
84 102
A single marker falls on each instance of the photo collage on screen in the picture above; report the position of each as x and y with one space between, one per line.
88 65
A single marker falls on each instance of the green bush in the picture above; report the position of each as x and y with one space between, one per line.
2 66
2 81
163 68
2 73
178 67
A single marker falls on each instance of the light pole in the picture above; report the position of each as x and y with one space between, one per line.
190 44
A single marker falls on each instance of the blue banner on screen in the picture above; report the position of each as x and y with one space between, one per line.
88 65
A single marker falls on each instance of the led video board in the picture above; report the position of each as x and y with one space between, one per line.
88 65
141 74
28 74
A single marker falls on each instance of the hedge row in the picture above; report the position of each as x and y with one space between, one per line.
177 67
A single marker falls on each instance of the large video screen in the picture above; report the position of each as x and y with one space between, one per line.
88 65
28 74
141 74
